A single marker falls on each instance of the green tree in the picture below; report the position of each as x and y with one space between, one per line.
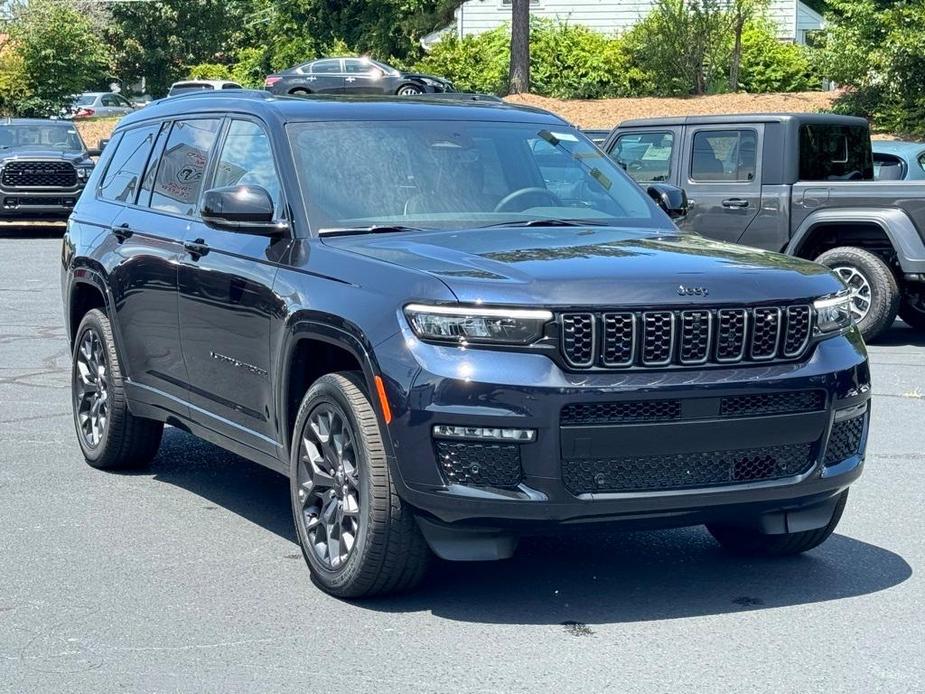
771 65
52 52
159 40
684 45
874 47
740 13
519 79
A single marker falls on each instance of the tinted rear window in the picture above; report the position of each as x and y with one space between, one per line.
835 153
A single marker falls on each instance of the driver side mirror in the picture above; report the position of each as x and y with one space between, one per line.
98 150
671 199
243 208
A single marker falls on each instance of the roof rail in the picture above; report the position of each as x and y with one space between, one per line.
255 94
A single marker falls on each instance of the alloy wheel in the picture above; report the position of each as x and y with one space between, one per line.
859 288
329 486
409 91
91 388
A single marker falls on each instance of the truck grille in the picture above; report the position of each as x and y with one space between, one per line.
38 174
685 337
686 470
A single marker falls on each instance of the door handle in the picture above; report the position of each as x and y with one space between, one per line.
122 232
350 79
196 248
733 203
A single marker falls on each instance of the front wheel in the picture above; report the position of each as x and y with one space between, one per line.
409 90
358 537
750 542
873 287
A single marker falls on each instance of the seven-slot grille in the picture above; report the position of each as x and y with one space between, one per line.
685 337
38 174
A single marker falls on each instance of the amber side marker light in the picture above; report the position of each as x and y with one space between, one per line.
383 401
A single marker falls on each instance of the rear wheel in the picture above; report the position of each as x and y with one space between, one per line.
110 436
358 537
300 92
750 542
874 290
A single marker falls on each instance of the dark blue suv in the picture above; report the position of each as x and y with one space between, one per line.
450 325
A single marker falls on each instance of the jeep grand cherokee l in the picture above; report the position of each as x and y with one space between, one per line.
450 324
43 168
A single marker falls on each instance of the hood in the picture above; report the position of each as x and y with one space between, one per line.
571 267
424 76
38 153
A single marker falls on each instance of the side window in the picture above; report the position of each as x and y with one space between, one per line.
326 66
645 156
121 180
178 181
921 161
109 100
122 101
356 66
247 159
724 155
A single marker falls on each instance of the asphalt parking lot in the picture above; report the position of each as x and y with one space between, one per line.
187 577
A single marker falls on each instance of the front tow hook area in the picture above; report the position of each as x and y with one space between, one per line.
468 544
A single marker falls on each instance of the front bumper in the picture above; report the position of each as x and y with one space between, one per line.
479 388
38 204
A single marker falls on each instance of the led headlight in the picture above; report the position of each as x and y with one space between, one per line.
833 313
477 324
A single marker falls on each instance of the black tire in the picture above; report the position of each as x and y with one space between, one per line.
750 542
884 291
123 441
912 309
409 90
299 92
388 554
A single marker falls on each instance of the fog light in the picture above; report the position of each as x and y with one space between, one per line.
445 431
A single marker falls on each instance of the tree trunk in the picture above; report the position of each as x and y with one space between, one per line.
736 61
520 46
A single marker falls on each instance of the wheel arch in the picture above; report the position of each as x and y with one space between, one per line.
889 233
314 348
87 291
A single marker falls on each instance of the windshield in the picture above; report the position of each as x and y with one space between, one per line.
460 174
51 136
190 87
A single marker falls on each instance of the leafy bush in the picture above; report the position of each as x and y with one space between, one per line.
472 63
771 65
209 71
875 49
251 66
574 62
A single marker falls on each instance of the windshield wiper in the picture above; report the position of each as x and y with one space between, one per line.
372 229
552 222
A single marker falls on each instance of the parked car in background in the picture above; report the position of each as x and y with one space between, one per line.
895 160
451 323
44 166
100 105
797 183
596 136
353 76
187 86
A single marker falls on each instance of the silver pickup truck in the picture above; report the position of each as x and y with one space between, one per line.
801 184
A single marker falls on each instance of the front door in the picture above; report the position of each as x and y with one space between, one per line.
227 302
722 177
362 77
326 77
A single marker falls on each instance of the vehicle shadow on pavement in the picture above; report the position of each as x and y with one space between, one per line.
900 335
577 579
32 231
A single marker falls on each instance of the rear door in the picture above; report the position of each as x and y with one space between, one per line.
722 177
326 76
144 282
227 301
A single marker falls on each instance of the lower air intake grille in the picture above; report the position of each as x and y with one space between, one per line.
772 403
585 413
481 464
687 470
844 440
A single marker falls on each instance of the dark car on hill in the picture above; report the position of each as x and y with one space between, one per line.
353 76
450 324
44 165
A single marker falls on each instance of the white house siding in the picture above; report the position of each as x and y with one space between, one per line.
612 16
